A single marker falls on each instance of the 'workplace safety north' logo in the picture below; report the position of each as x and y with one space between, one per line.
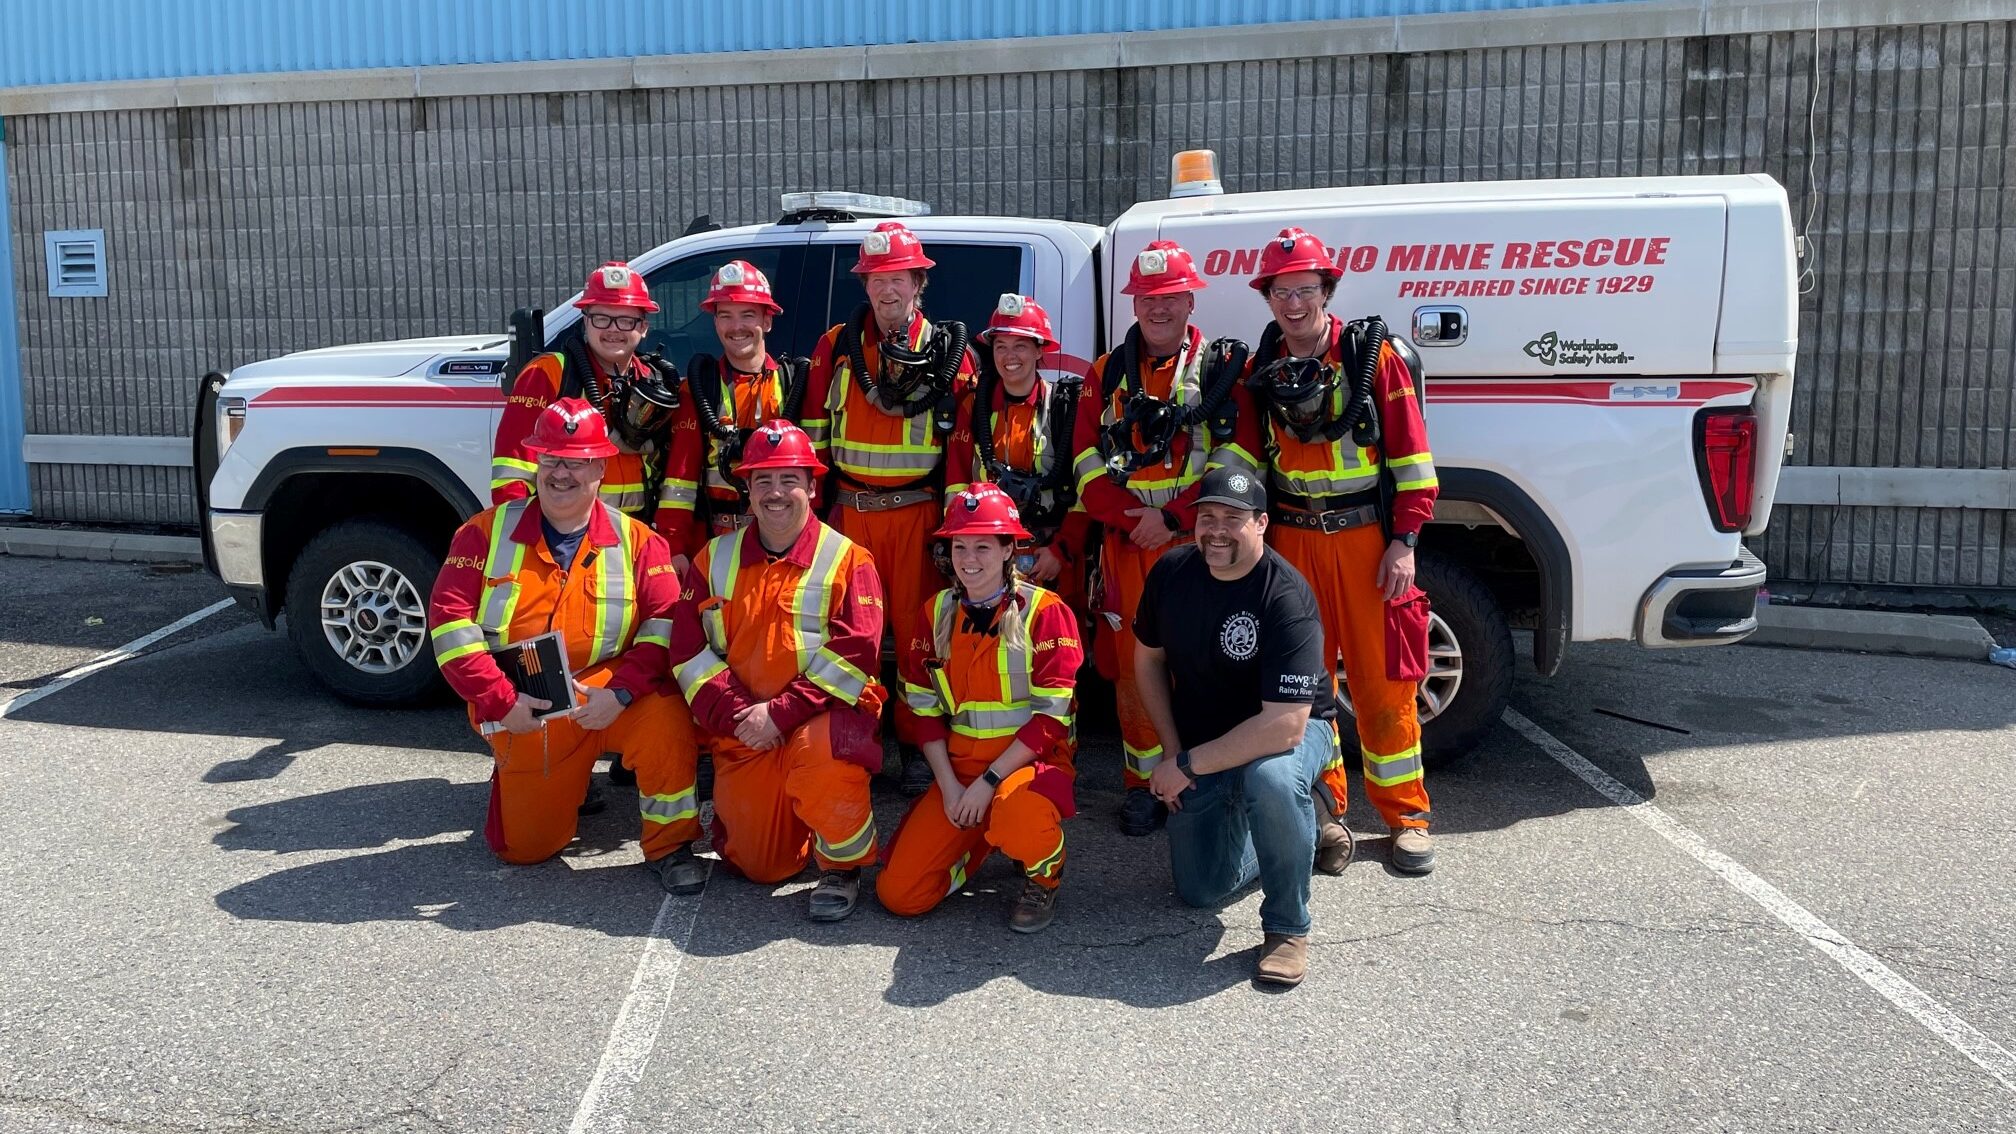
1239 638
1551 349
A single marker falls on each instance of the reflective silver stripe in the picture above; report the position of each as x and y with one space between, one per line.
1417 471
1047 868
811 598
697 671
678 492
906 461
834 674
1056 705
991 721
924 702
623 499
1141 763
499 600
618 605
815 430
1087 467
456 639
1232 457
656 631
669 808
1389 770
855 846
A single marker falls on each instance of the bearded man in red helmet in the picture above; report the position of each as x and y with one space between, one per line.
565 561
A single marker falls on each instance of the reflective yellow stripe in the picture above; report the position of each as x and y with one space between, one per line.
679 493
452 640
1141 761
655 631
834 674
611 634
1417 471
1051 863
924 702
697 671
499 599
812 598
1395 769
671 808
856 846
1019 699
958 873
1230 455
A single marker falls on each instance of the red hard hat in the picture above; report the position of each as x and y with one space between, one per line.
981 510
1294 251
615 285
1162 268
1020 315
571 428
739 281
778 445
891 248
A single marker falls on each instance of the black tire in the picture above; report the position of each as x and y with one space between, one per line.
1472 614
358 543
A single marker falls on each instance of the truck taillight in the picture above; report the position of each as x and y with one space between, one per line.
1725 449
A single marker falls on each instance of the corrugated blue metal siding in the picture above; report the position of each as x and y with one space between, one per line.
155 39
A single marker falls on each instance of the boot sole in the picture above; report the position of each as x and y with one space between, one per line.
1406 864
1276 980
819 915
1037 928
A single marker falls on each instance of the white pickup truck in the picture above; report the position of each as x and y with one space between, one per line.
1609 376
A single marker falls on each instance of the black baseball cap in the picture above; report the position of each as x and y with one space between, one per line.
1236 487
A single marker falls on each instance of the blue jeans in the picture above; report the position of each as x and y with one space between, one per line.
1253 821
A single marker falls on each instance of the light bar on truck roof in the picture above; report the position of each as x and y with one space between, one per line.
860 204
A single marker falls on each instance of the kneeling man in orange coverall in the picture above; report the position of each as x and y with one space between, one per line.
565 561
791 612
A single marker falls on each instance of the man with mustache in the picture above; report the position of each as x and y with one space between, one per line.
790 614
565 560
1232 669
883 387
1328 434
1159 411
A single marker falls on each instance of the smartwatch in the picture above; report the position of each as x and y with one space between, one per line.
1183 763
1169 518
992 779
1409 538
623 697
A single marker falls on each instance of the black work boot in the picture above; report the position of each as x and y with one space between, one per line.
917 775
592 803
681 872
1141 812
618 774
703 777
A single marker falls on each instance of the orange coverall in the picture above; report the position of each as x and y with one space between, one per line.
959 697
1170 485
1343 568
614 607
624 476
874 450
802 632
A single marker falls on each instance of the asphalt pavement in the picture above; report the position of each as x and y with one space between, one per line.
237 904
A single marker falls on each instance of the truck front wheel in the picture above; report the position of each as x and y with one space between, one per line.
357 613
1469 660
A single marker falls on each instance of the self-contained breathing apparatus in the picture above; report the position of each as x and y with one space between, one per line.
1298 392
1042 496
1146 427
638 407
910 382
703 372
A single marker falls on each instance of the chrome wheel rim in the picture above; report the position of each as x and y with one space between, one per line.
373 617
1445 673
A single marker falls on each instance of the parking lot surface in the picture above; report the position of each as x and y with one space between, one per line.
237 904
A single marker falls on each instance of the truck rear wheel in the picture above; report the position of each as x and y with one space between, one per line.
1469 660
357 613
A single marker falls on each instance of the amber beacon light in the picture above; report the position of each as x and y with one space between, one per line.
1194 173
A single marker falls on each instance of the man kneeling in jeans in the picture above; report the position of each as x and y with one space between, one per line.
1232 671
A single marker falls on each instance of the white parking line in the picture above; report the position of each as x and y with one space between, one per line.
111 658
1940 1020
606 1106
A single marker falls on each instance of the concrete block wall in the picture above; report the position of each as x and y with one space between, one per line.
239 231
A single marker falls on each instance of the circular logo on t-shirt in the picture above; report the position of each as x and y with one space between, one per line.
1239 638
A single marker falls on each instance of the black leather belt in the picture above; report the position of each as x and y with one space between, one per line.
1329 523
884 501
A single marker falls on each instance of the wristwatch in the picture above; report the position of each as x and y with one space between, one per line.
992 779
623 697
1169 518
1408 538
1183 763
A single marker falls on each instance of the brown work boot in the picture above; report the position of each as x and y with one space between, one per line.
1334 844
1284 960
1413 850
834 897
1035 908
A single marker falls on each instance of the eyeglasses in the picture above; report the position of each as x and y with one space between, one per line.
573 464
1307 293
620 322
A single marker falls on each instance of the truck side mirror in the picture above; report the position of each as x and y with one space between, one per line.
527 330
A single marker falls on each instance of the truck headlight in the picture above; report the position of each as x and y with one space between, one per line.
230 422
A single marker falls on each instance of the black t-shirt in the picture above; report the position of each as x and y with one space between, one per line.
1231 645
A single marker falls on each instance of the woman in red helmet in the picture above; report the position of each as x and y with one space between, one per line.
995 703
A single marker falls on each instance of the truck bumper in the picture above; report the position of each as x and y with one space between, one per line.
1702 606
232 545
